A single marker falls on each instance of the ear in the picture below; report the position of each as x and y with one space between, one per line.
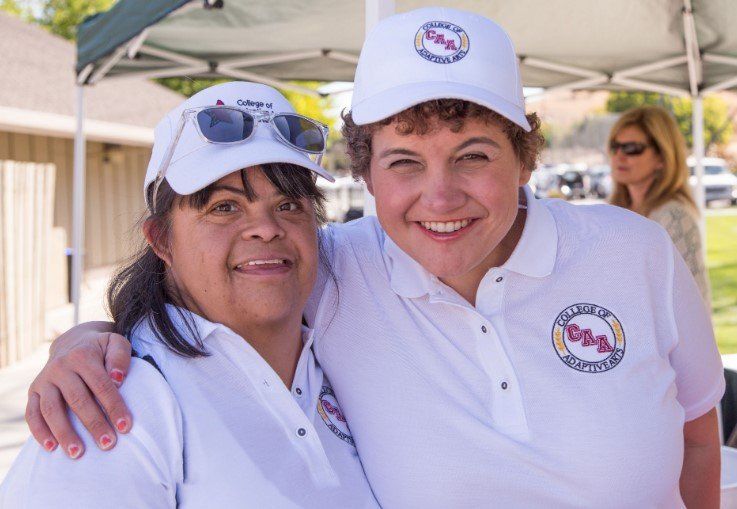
524 175
369 184
155 238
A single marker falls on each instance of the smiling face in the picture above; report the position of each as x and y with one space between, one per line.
448 199
243 262
635 170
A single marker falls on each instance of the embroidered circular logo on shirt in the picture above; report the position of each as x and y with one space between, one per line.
441 42
327 407
588 338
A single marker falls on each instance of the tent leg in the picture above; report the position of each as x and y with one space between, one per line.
375 11
697 130
78 197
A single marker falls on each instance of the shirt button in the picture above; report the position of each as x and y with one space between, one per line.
499 279
504 386
484 329
301 432
298 391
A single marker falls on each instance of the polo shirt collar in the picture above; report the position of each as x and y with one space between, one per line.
536 251
408 278
206 328
534 255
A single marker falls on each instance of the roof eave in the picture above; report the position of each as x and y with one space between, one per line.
64 126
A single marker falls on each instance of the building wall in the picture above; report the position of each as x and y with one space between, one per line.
26 216
113 199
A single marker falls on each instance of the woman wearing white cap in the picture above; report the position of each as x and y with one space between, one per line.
231 408
488 348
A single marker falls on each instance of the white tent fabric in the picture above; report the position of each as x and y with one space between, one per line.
679 47
559 41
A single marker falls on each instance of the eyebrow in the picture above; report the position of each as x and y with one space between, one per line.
397 151
240 190
643 142
477 139
222 187
468 142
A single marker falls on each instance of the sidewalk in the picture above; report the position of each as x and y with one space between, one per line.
14 382
15 379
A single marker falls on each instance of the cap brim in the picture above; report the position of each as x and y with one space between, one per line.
186 175
392 101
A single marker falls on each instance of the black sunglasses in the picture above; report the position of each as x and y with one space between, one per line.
630 148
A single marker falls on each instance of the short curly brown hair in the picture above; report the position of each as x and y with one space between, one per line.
419 119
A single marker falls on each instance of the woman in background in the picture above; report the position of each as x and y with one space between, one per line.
648 159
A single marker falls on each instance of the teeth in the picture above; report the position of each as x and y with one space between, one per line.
263 262
445 227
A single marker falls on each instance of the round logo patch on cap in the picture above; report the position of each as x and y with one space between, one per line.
441 42
588 338
327 407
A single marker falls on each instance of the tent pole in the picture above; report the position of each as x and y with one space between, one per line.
722 85
649 86
697 132
78 203
695 80
375 11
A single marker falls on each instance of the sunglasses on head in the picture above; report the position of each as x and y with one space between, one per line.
228 125
630 148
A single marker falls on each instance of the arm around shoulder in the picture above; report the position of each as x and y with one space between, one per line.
142 471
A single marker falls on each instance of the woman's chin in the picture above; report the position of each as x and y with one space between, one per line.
268 310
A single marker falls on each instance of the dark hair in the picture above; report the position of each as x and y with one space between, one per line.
419 119
140 289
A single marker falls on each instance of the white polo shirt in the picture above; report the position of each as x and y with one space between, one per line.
567 385
219 431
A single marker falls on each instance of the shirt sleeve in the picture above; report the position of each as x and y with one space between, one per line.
143 469
695 358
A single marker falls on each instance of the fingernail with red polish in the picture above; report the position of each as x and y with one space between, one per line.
49 445
122 425
74 451
117 376
105 441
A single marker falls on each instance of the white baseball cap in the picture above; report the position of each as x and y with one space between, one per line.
197 163
437 53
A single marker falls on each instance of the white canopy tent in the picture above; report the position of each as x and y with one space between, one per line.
676 47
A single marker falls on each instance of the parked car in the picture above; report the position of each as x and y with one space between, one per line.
600 178
344 198
544 182
719 182
572 183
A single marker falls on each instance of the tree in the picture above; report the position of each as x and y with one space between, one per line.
61 17
717 120
310 106
11 7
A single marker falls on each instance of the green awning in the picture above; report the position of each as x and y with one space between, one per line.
101 34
